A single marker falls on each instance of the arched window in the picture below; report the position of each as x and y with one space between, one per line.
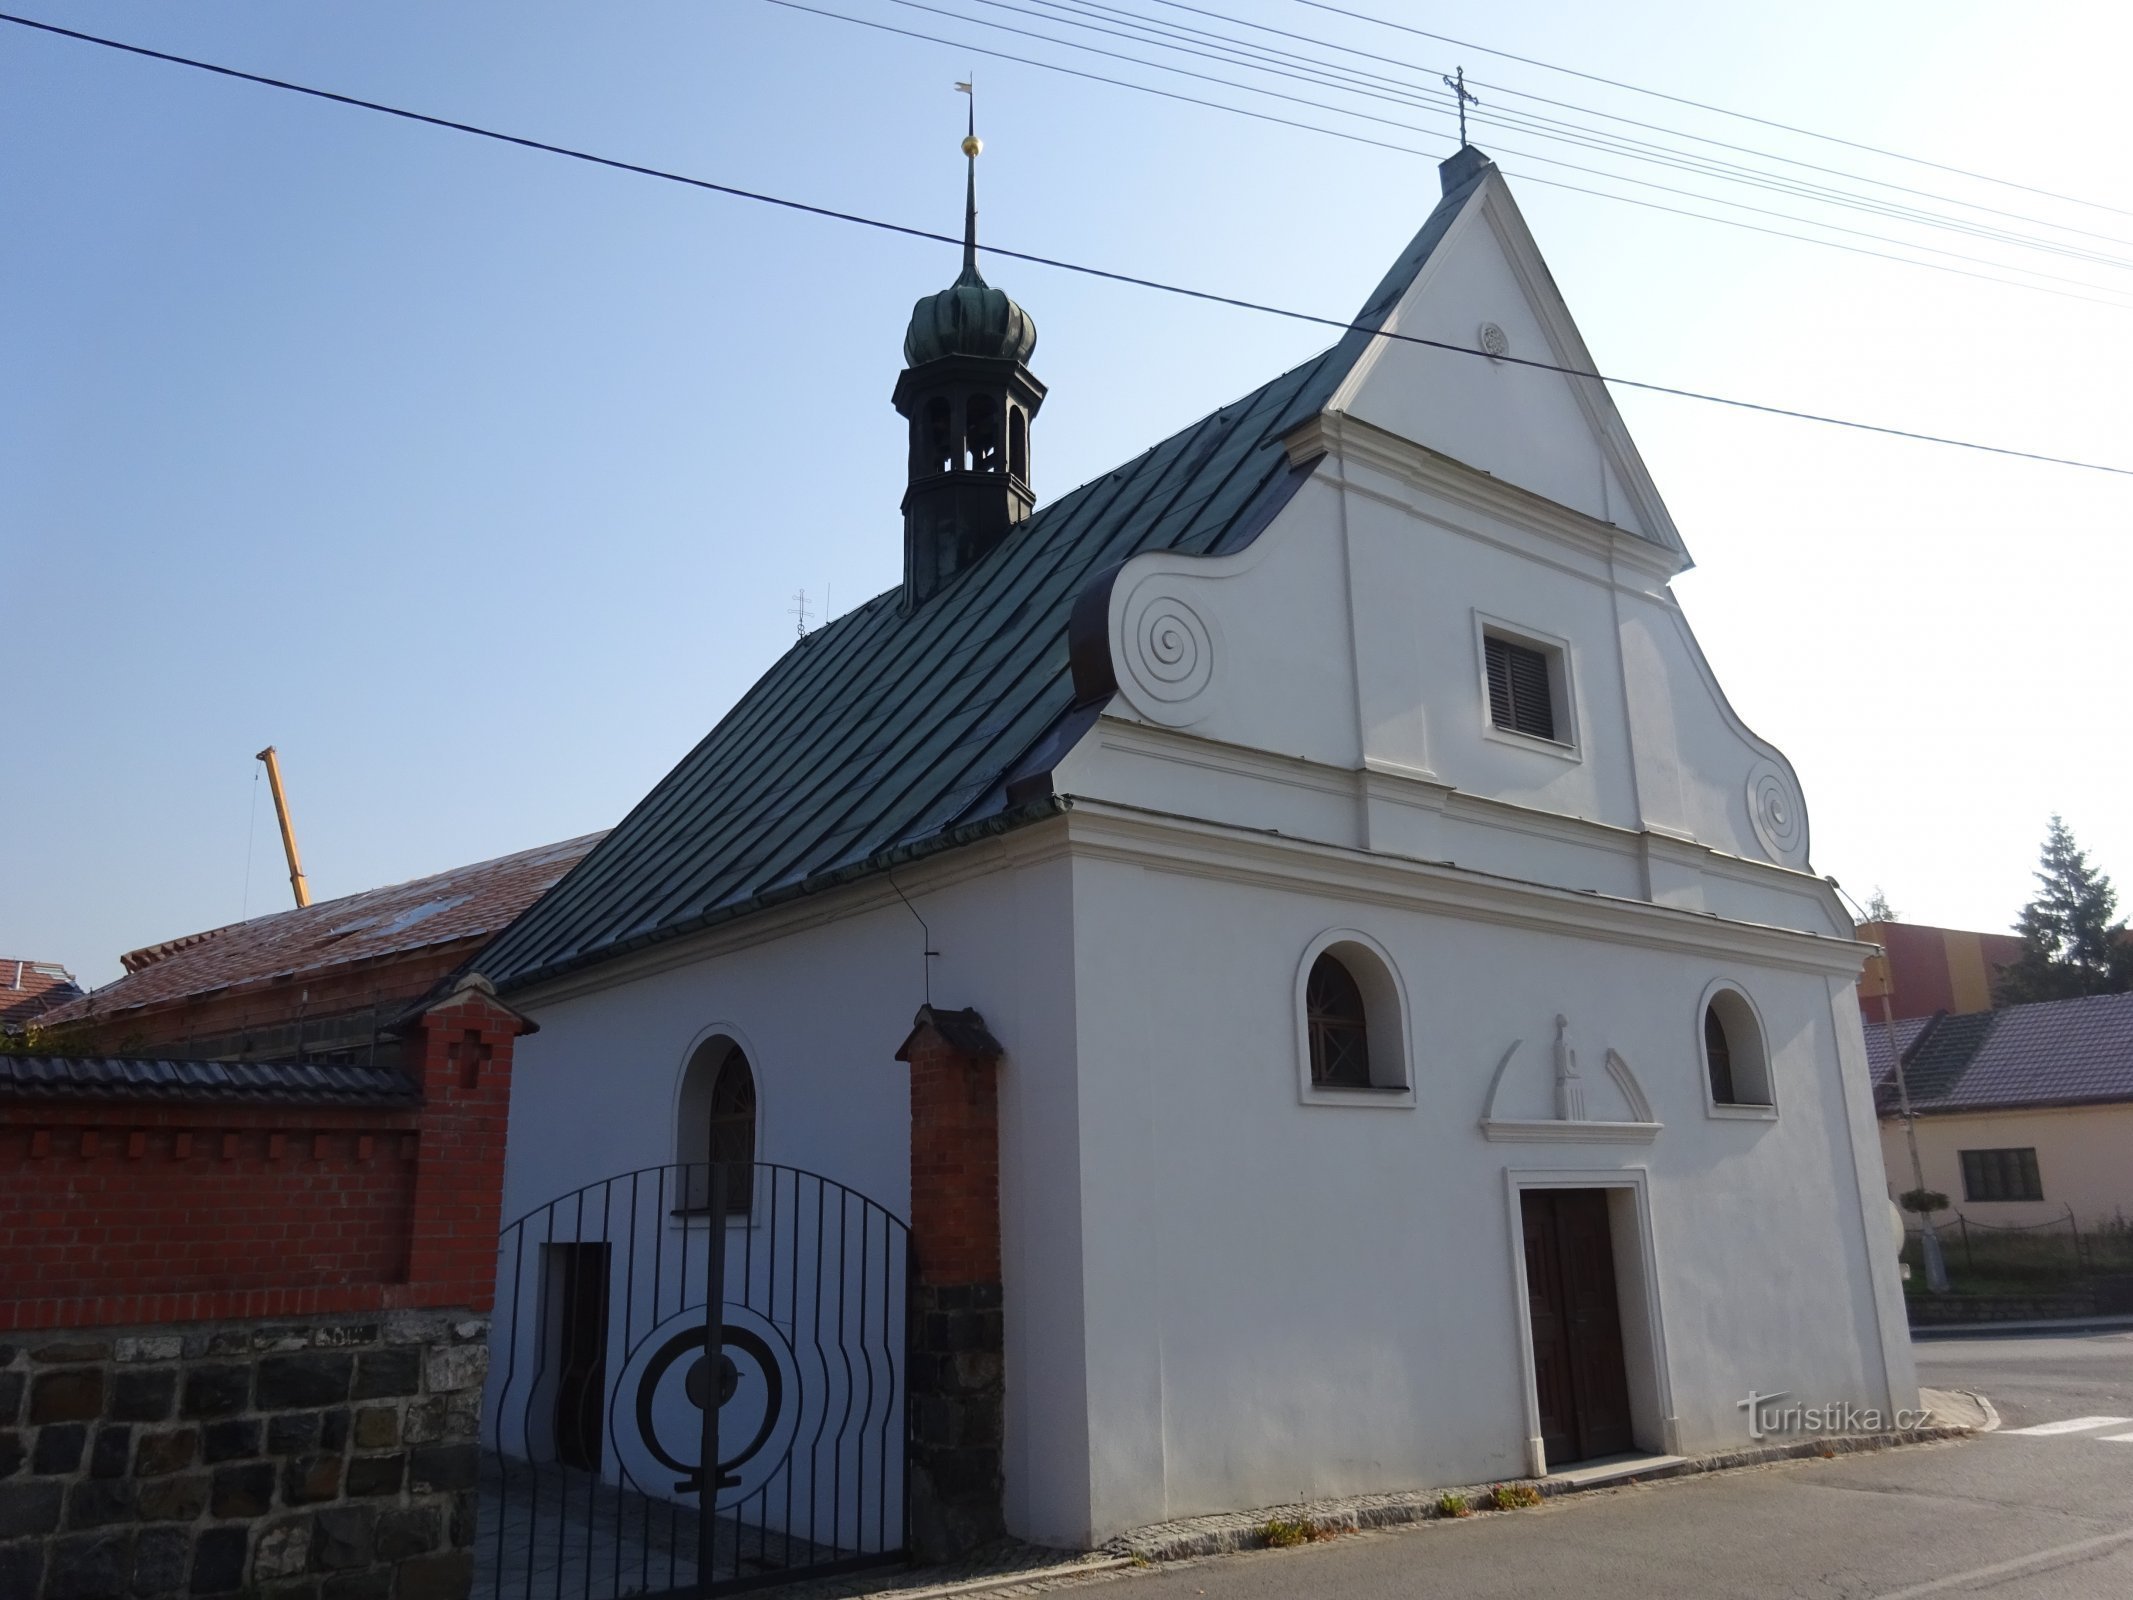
1340 1028
1736 1063
717 1126
983 433
938 451
1351 1024
1018 443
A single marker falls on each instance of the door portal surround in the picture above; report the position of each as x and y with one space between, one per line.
1651 1393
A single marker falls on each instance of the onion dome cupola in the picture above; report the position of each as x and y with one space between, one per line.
968 396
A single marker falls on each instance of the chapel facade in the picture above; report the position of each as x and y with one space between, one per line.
1413 1046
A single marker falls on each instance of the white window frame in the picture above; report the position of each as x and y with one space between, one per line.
1727 1110
1386 1014
1562 686
704 1036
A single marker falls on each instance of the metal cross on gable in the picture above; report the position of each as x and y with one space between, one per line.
1459 89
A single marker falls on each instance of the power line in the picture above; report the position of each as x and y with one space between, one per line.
1528 177
907 231
1701 105
1137 19
1611 144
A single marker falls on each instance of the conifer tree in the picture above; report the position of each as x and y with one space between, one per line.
2070 943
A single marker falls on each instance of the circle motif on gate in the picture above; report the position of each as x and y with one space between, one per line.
660 1395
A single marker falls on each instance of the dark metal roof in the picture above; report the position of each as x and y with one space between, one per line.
2056 1052
104 1078
885 735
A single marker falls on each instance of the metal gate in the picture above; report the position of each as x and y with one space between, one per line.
601 1407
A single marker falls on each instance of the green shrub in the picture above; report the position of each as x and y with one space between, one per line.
1279 1535
1513 1496
1453 1505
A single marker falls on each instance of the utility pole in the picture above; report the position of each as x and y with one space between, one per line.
288 830
1928 1241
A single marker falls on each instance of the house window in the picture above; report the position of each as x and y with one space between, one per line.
2001 1175
1522 688
1736 1064
1340 1029
717 1128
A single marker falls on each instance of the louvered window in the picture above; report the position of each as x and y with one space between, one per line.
2001 1175
1520 697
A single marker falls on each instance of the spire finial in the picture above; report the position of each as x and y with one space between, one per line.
972 144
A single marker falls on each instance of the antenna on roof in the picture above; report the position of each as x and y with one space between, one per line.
799 611
1458 87
288 830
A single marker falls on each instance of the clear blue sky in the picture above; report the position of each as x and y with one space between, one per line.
480 481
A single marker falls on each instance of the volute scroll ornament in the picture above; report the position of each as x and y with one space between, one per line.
1167 651
1777 814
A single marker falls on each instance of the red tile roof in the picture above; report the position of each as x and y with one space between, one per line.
29 988
467 903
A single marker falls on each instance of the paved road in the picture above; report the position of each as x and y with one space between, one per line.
2015 1516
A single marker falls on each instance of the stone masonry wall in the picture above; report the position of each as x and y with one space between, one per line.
322 1459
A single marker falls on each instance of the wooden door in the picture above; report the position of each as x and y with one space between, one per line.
1579 1379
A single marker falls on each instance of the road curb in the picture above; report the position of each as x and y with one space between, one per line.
1224 1535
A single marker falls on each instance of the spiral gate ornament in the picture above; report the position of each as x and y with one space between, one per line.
1169 651
1776 811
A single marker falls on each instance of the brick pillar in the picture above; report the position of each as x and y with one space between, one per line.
956 1356
459 1051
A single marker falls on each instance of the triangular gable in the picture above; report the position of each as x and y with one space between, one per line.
1557 436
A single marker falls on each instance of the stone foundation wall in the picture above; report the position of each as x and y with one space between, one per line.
320 1459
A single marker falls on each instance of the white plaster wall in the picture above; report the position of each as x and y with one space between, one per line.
1288 1300
821 1010
1517 423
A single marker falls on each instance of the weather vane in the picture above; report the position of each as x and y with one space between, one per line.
1458 87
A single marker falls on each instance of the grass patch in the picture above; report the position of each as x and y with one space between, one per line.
1280 1535
1453 1505
1514 1496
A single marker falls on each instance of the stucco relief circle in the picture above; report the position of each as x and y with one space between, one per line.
1775 809
1169 650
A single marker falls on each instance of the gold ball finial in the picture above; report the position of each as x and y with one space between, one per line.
972 144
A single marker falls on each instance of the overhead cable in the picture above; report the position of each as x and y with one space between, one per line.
1339 324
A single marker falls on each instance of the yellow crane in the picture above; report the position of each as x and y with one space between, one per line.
288 831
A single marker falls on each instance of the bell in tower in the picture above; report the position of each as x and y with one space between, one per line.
968 397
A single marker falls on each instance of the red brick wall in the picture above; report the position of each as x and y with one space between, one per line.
955 1162
116 1213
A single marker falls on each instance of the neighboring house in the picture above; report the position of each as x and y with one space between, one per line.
1934 969
318 983
1406 1035
2024 1115
30 989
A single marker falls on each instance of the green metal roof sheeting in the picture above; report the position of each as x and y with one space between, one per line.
884 736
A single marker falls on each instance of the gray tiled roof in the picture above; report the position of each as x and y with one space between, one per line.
2056 1052
884 735
106 1078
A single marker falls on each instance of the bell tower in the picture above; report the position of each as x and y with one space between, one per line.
968 397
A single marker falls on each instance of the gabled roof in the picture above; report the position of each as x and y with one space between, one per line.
29 989
886 735
464 904
2053 1053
